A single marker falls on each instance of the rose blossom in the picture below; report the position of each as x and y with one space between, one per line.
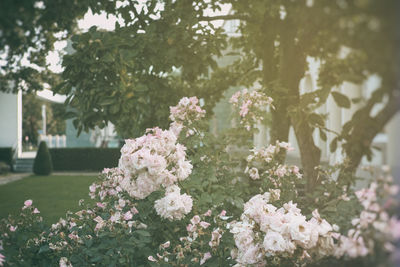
27 203
2 259
128 215
204 224
206 256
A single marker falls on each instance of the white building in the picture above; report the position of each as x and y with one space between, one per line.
11 118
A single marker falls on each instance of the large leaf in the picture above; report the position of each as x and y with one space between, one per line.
316 119
341 100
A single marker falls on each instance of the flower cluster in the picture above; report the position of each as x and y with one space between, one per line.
111 184
69 231
149 163
202 242
267 154
153 161
28 224
185 114
173 206
27 210
265 231
261 165
251 105
374 222
64 262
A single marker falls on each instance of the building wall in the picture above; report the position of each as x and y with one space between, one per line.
393 148
8 119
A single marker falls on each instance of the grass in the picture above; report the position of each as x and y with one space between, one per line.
52 195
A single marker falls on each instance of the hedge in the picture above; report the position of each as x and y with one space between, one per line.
84 159
6 155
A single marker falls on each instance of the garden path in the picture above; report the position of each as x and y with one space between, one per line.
8 178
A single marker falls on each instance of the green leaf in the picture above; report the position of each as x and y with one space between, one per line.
142 233
89 242
44 248
107 101
316 119
97 258
115 108
333 145
322 134
341 100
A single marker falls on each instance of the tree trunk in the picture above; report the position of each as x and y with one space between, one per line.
310 154
293 65
280 128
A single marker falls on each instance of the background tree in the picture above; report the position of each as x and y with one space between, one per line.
28 30
280 35
32 118
130 76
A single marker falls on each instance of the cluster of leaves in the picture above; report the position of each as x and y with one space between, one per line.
29 29
151 60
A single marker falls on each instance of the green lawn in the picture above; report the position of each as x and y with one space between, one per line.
52 195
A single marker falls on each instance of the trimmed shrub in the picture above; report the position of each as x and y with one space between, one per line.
4 168
84 159
6 155
43 164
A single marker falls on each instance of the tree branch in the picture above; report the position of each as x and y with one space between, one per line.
365 131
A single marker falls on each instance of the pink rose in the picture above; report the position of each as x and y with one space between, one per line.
208 213
92 188
100 205
195 220
2 259
36 211
128 215
190 227
28 203
166 244
204 224
134 210
151 258
205 257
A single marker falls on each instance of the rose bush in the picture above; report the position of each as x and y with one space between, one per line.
183 197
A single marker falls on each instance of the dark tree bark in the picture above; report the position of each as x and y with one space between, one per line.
363 133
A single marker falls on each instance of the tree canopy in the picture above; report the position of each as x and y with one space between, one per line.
28 30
